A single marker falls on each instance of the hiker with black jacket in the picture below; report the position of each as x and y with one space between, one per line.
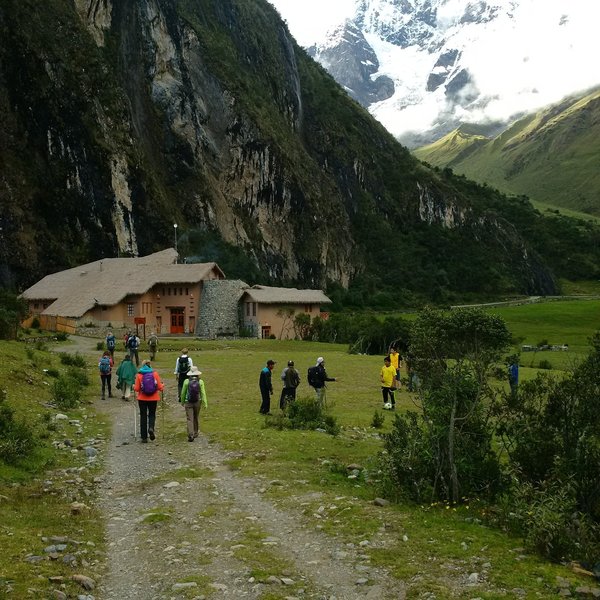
182 366
317 376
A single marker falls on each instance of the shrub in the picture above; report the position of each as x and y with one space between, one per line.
545 364
66 392
305 413
74 360
100 346
52 372
378 420
16 437
61 336
79 375
35 323
41 346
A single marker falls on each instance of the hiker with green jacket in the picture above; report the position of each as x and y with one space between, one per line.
126 377
192 393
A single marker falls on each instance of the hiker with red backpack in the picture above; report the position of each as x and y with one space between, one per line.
192 393
148 387
105 365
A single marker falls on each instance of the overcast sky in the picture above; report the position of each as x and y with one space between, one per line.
522 64
309 20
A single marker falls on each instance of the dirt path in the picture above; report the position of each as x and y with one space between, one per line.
182 524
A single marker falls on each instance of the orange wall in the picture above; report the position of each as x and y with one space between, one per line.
266 316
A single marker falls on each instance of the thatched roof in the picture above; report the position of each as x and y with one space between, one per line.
278 295
108 281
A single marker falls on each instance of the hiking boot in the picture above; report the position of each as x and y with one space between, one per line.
144 440
196 435
151 434
190 438
110 395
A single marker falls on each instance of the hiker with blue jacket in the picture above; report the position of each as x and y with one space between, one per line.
133 343
266 387
111 343
192 394
148 387
105 365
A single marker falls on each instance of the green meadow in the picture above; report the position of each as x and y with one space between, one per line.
434 548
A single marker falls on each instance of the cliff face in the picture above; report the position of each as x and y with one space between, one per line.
121 118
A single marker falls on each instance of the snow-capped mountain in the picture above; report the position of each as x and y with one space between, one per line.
422 67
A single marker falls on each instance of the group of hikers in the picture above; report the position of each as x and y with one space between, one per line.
147 385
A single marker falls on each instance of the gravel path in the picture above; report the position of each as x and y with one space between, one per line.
182 524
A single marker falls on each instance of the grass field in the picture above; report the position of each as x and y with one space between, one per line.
437 546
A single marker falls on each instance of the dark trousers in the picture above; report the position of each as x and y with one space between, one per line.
288 394
106 379
388 393
181 377
147 416
133 353
265 406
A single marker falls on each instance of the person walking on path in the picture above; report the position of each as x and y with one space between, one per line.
317 377
291 380
133 343
148 388
182 365
111 343
153 345
388 380
105 365
192 394
266 388
126 373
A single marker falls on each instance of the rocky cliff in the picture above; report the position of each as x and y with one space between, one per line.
119 119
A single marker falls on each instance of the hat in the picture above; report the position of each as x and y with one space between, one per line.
270 362
290 363
320 360
194 372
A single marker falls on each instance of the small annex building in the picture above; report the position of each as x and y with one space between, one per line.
153 291
270 311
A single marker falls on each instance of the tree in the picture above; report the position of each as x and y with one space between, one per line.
302 326
285 313
12 311
453 354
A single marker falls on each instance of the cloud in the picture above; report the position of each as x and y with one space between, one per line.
310 20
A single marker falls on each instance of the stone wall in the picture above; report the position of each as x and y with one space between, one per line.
219 308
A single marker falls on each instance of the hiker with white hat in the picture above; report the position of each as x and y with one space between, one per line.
317 376
192 395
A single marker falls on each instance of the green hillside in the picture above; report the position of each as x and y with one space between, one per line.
550 156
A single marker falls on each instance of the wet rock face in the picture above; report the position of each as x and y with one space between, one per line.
137 115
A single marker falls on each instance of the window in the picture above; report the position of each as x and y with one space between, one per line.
254 309
130 308
36 306
187 291
308 308
146 308
247 309
181 291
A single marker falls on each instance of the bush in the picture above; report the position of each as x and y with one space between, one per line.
545 364
100 346
66 392
61 336
35 323
79 375
73 360
52 372
378 420
304 413
16 437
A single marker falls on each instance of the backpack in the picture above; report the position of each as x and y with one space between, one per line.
313 376
153 341
148 384
193 391
184 364
132 342
104 365
110 342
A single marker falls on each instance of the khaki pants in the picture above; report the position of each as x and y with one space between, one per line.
192 412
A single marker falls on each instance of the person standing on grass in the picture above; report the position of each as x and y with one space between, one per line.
182 365
317 377
396 362
148 387
105 365
126 377
266 387
388 382
513 376
192 394
291 380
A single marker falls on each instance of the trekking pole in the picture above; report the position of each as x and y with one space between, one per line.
134 417
163 409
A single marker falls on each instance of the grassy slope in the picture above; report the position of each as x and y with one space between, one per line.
312 464
550 156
